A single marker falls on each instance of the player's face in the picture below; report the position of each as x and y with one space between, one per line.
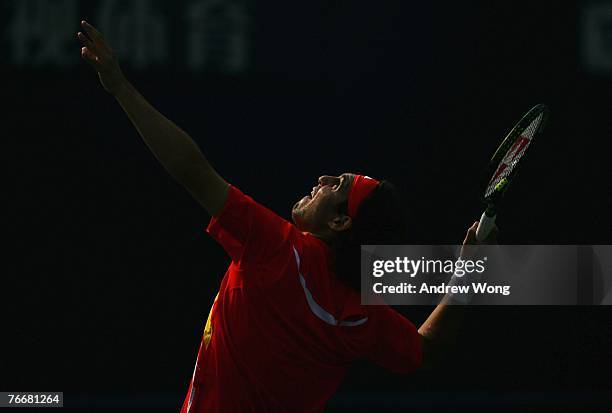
315 211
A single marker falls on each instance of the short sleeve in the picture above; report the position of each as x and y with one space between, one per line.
396 343
248 231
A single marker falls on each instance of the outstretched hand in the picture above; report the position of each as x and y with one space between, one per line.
100 56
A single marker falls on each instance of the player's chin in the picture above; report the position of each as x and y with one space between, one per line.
301 205
299 210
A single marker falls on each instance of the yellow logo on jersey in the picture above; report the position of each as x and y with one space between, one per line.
208 330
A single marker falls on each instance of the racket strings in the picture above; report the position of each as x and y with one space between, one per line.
514 154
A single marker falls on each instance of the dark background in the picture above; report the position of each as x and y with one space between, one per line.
110 273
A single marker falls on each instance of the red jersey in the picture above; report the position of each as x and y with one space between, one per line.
283 330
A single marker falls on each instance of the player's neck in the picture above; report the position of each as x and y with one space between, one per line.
328 237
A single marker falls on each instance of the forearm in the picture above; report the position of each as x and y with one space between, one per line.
444 322
173 148
440 330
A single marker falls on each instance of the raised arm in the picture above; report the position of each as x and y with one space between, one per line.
440 330
173 148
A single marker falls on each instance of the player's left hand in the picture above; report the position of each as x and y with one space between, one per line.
98 53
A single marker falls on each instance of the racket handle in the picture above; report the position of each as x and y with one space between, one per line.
485 226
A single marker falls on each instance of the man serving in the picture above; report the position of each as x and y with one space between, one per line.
287 321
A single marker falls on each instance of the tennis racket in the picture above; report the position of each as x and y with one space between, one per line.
503 165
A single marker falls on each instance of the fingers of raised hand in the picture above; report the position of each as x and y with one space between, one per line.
86 42
90 57
89 51
96 38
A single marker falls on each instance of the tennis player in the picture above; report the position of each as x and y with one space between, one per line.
287 321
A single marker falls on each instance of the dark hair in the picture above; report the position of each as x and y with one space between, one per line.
381 219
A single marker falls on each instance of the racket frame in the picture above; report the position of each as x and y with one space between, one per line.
487 220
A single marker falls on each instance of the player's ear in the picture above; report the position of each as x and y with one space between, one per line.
340 223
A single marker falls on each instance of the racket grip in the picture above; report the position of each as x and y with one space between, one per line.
485 226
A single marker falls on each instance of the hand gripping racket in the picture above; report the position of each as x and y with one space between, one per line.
504 163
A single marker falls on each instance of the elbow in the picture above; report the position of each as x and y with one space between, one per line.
433 352
190 172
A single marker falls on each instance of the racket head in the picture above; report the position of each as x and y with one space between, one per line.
504 162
